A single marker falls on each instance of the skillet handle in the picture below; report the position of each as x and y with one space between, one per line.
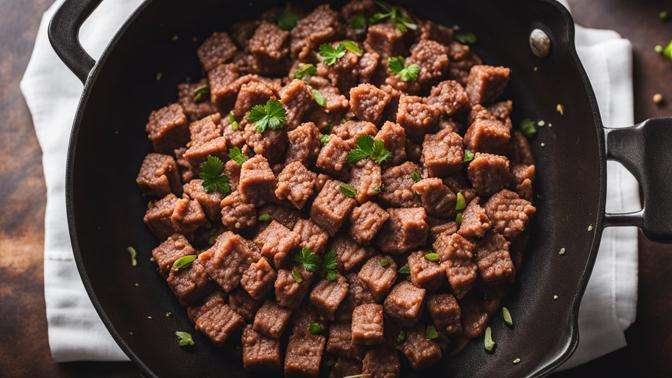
646 151
64 35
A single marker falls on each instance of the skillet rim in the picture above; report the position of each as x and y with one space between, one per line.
577 295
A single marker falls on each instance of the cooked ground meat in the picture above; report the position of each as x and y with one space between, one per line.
330 201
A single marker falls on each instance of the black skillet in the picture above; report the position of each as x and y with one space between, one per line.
108 143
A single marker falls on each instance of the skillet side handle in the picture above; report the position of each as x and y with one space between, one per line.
646 151
64 35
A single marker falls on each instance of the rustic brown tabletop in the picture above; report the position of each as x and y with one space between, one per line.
24 349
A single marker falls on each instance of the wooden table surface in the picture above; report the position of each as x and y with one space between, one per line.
24 349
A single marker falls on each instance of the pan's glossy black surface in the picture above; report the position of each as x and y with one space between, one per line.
108 143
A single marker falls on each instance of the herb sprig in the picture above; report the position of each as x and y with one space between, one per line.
309 260
331 54
213 180
201 92
367 147
271 115
304 71
398 17
184 339
405 72
348 190
330 265
237 155
528 127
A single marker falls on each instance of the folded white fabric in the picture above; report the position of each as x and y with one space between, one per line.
77 333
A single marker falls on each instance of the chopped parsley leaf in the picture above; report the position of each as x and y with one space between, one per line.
385 262
353 47
395 15
458 218
367 147
213 180
528 128
331 54
460 202
466 38
405 269
431 333
271 115
398 66
667 51
265 218
316 328
348 190
134 255
415 176
183 262
318 97
309 260
235 126
184 339
200 93
330 265
305 71
237 155
297 275
324 138
432 256
468 156
287 20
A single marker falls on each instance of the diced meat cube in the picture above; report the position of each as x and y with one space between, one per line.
489 173
345 367
297 100
354 7
227 260
487 135
462 59
367 67
288 292
486 83
366 178
304 144
333 157
216 319
171 249
257 181
195 108
341 74
436 32
350 131
328 295
303 318
447 98
258 279
187 216
284 215
340 341
350 254
368 102
386 40
335 102
432 58
242 31
331 207
521 152
416 116
436 198
404 303
501 110
456 255
394 138
270 46
367 324
251 94
168 128
217 49
379 274
271 144
366 220
442 153
243 304
439 226
223 92
157 217
445 313
420 352
474 316
205 129
196 154
424 273
358 294
259 352
459 183
190 284
237 213
406 229
312 236
397 185
524 177
413 151
509 213
186 170
271 320
319 26
304 355
210 202
233 132
158 175
493 259
276 242
295 184
381 363
475 221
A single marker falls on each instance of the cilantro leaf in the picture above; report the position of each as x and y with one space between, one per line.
367 147
431 333
287 20
324 138
379 153
398 66
405 269
353 47
309 260
415 176
237 155
358 22
432 256
213 180
398 17
318 97
296 275
331 54
271 115
385 262
201 92
184 339
348 190
235 126
466 38
528 128
468 156
330 265
305 70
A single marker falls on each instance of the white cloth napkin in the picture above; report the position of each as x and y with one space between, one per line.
77 333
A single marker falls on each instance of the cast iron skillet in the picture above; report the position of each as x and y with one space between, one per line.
108 143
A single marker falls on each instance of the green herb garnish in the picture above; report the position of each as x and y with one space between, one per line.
330 265
488 342
183 262
318 97
398 66
367 147
305 71
466 38
528 127
265 218
134 255
271 115
396 16
432 256
506 315
348 190
297 275
287 20
211 172
237 155
184 339
316 328
331 54
468 156
667 51
458 218
405 269
309 260
235 126
353 47
358 22
324 138
431 333
200 93
385 262
460 202
415 176
401 337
